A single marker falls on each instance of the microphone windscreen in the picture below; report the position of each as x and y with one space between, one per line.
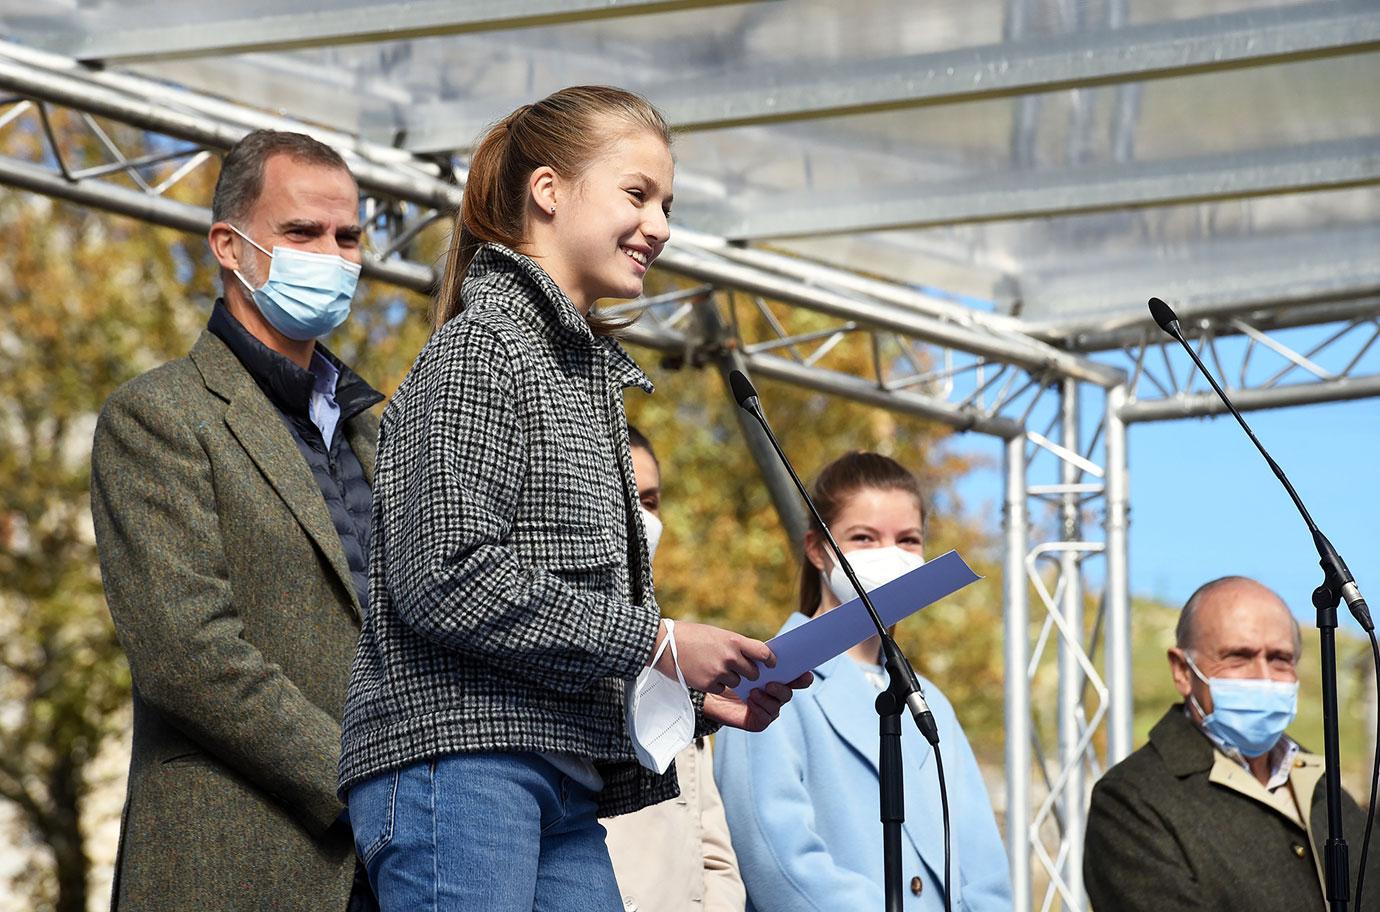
742 388
1163 315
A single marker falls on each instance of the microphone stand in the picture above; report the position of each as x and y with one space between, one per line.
903 690
1337 584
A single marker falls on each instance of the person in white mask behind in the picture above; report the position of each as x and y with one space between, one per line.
802 798
675 856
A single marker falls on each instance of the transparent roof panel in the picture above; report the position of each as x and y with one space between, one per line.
938 144
1241 112
1027 266
490 72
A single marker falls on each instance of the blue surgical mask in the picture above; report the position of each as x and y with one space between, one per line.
306 295
1249 714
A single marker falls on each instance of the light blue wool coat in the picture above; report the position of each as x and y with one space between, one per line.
803 811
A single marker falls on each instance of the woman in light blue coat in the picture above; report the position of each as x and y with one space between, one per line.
802 797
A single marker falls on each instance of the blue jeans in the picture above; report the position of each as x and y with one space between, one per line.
488 832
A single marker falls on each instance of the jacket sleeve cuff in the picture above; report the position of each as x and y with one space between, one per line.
704 727
631 641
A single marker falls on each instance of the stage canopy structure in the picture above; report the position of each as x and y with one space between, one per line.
987 191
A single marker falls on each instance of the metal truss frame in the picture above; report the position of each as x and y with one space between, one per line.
1058 481
401 199
789 319
1259 367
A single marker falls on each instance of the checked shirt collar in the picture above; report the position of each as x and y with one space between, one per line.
551 302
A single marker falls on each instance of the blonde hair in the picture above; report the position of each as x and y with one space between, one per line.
563 132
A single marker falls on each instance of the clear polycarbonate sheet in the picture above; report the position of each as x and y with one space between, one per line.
1191 119
1020 200
486 73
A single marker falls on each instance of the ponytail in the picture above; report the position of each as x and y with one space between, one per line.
562 131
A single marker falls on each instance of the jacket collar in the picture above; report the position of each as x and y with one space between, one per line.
286 385
258 427
1182 746
551 310
623 370
549 306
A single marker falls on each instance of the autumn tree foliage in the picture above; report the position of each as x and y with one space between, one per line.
86 302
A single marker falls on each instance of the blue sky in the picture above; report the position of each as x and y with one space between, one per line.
1204 503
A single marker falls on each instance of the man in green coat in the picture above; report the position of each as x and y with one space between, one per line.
1221 811
231 497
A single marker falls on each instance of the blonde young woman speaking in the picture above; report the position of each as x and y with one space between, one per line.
511 603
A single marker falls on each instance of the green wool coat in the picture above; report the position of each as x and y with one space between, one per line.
232 598
1166 833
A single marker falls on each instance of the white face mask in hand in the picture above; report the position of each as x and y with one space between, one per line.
660 716
875 567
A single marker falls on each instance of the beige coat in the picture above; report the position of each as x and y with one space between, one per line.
676 856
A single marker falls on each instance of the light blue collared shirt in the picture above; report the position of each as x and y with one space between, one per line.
323 410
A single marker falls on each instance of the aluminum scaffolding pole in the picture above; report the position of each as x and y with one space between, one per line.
1198 405
1017 611
1118 588
1070 645
728 358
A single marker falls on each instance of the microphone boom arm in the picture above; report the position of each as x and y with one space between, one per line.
897 666
1337 584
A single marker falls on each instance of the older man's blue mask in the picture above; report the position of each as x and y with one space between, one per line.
1249 714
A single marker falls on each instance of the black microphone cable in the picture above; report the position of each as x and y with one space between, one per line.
1374 773
944 812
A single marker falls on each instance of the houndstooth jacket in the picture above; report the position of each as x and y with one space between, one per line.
510 590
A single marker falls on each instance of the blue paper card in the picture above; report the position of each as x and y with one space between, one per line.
821 638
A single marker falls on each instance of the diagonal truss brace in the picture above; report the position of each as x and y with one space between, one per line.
1261 369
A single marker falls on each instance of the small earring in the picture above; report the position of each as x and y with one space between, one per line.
553 210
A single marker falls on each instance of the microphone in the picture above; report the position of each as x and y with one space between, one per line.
904 688
1165 317
744 392
1338 582
897 666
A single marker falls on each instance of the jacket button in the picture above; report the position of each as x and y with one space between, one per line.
1299 850
916 885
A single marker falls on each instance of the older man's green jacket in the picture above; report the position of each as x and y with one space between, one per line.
232 597
1171 828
